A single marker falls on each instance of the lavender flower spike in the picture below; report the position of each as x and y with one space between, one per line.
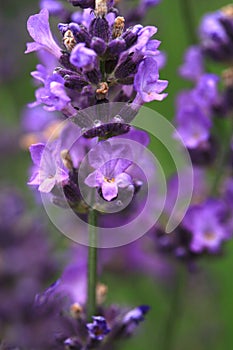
39 29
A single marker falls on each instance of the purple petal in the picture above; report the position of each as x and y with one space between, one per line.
36 151
47 185
123 180
94 179
38 28
109 190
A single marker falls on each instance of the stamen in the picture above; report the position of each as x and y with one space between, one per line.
76 310
69 40
101 293
66 158
118 27
102 91
101 8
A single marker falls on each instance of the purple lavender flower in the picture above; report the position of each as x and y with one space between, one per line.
204 222
82 57
53 95
54 7
193 124
98 329
134 317
215 33
110 173
193 66
48 168
38 28
99 55
147 83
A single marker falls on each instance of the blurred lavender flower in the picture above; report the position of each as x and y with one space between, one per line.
24 271
215 33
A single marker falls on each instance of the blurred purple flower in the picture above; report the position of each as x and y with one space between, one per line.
204 223
99 328
193 66
48 169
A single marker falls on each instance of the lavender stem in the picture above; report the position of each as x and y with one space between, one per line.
92 264
187 14
174 312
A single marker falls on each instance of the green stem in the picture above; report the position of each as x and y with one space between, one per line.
187 14
220 165
177 295
92 264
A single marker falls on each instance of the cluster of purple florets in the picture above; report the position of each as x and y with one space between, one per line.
100 59
203 115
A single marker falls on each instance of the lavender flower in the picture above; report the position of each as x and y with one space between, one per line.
204 222
99 58
48 172
99 328
216 34
110 173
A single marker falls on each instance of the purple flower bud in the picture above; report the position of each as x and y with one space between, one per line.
128 64
80 33
116 47
75 82
98 329
83 3
99 27
131 35
98 45
82 57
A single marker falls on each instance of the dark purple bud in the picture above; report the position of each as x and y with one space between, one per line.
205 154
99 27
106 131
128 64
131 35
75 82
80 33
65 61
72 192
110 65
84 4
115 47
98 45
93 76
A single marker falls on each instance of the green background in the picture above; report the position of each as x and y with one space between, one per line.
204 317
